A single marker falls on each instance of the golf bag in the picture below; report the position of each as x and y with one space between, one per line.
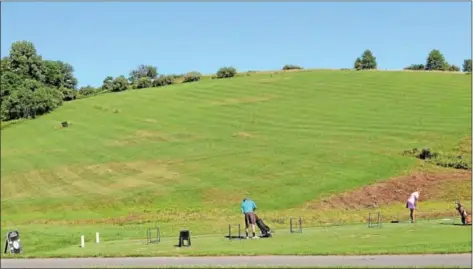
12 243
265 230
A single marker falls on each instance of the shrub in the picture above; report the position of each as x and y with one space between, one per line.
415 67
176 76
450 160
291 67
119 84
69 94
358 65
467 65
107 84
191 77
144 82
226 72
453 68
163 81
87 90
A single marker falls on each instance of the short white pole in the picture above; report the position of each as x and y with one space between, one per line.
97 238
82 241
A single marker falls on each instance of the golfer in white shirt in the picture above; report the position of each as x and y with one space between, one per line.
412 204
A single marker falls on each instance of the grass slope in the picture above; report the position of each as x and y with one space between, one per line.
188 153
433 237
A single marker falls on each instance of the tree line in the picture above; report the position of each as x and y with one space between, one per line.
435 62
32 86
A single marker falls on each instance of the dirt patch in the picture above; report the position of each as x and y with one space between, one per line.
242 135
244 100
106 179
149 136
397 190
150 120
14 152
222 196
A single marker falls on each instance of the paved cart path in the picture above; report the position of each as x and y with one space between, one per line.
463 260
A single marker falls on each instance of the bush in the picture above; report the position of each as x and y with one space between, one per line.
144 82
358 65
291 67
87 90
176 76
107 84
449 160
69 94
119 84
226 72
191 77
467 65
415 67
452 161
453 68
163 81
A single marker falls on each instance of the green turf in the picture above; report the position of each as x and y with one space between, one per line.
190 152
402 238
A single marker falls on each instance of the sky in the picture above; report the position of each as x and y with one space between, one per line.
102 39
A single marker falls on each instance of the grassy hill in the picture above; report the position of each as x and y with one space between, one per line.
191 152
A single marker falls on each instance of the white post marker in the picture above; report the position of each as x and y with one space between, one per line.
97 238
82 241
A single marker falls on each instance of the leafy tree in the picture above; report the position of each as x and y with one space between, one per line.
13 105
25 62
119 84
144 82
358 65
31 86
226 72
45 100
143 71
70 81
5 64
368 61
467 65
191 77
107 84
436 61
9 82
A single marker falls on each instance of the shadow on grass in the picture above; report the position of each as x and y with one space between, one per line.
233 237
456 224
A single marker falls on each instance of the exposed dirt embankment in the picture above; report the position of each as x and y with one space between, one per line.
446 186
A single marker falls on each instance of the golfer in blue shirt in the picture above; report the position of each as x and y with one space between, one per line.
247 208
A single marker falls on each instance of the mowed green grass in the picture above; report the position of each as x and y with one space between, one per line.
185 155
403 238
